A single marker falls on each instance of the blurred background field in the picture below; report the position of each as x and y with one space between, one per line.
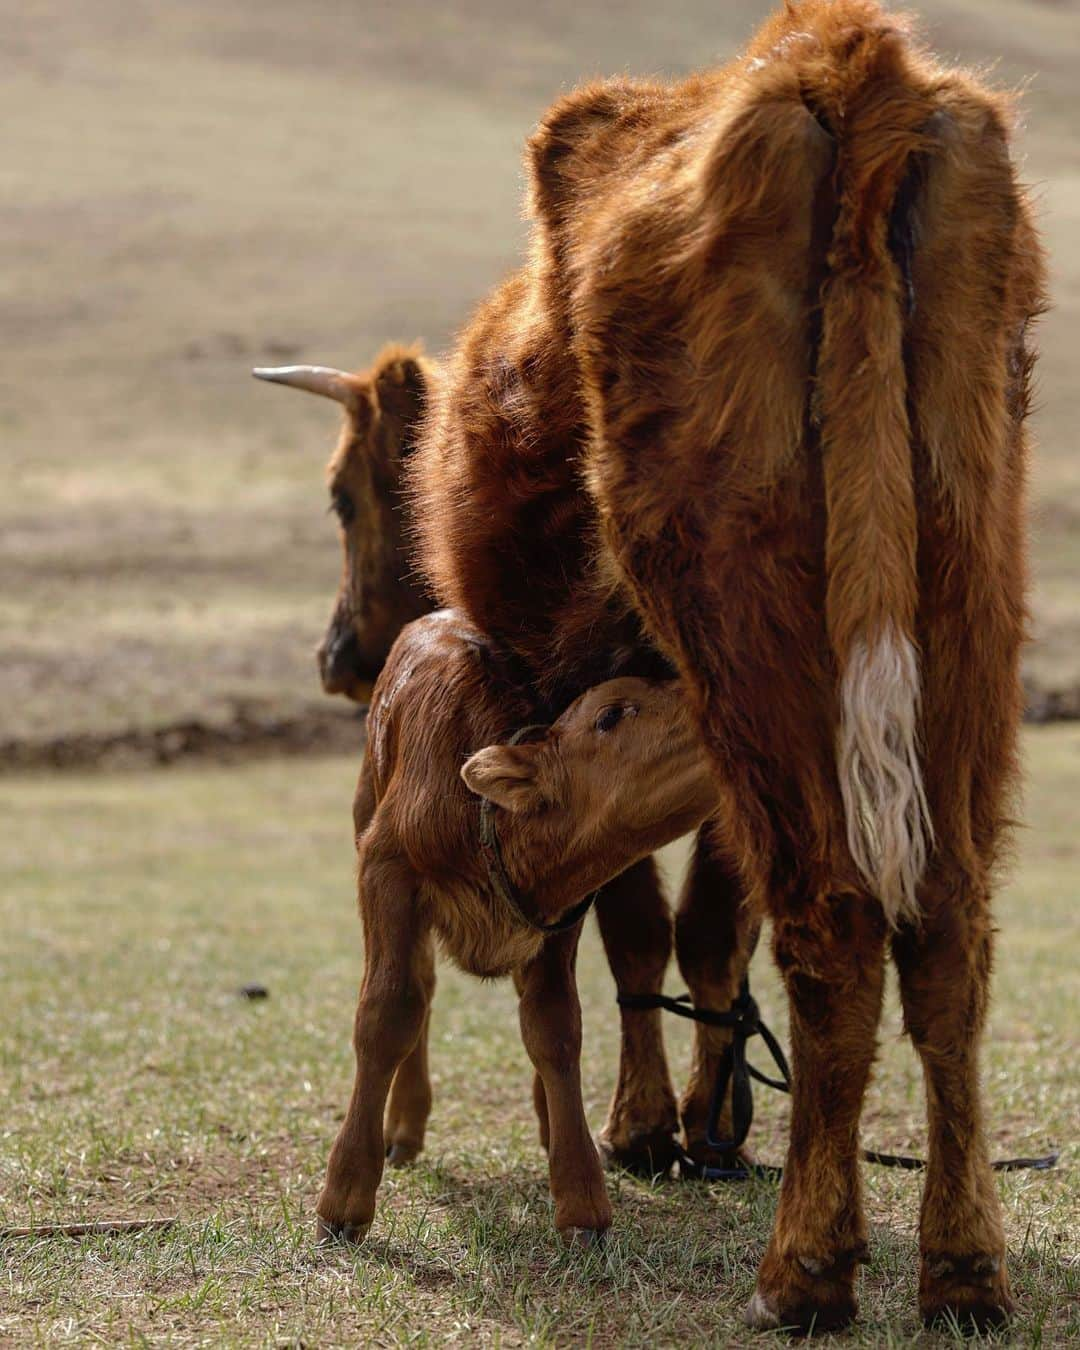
190 190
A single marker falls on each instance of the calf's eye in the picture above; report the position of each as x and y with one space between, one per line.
609 718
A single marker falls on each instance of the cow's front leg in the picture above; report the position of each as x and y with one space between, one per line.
635 925
831 954
390 1018
944 984
550 1018
715 936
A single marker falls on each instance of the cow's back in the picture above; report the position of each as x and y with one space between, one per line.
506 531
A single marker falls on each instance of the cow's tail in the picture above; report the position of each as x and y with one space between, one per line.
876 117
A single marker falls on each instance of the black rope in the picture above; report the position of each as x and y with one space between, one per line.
734 1070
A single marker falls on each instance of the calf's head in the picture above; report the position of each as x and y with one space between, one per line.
377 595
621 773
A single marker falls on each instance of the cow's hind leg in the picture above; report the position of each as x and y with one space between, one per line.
715 937
830 950
944 979
390 1017
635 925
550 1017
410 1095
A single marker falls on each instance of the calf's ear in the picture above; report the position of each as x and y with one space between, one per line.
507 775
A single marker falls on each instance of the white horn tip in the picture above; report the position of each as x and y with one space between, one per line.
315 379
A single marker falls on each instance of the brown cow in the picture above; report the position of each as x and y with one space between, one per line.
378 595
619 774
759 395
376 598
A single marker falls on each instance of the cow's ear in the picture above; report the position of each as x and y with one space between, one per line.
401 385
508 775
560 150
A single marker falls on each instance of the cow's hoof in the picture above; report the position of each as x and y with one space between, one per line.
582 1238
971 1292
647 1154
803 1316
759 1314
806 1294
402 1152
337 1234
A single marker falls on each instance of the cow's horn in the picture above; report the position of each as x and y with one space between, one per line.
323 380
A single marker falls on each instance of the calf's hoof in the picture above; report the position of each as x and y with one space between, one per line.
400 1152
971 1291
645 1154
329 1234
583 1216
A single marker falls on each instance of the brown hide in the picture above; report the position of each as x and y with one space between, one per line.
684 239
759 394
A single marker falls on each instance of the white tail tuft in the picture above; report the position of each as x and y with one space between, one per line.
888 821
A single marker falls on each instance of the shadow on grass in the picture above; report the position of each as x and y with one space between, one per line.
486 1238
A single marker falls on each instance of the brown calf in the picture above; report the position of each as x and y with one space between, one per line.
378 595
619 774
759 397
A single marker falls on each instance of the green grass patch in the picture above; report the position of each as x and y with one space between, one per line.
136 1083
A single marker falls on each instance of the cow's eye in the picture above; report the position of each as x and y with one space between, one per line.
609 718
342 505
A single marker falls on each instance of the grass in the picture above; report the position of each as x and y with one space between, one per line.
137 1083
200 188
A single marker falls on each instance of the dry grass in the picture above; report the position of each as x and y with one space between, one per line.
137 1083
188 190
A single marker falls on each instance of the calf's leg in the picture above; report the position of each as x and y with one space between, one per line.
550 1017
715 937
635 925
410 1095
830 950
539 1096
944 982
390 1018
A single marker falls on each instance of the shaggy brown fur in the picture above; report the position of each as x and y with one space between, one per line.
759 394
619 774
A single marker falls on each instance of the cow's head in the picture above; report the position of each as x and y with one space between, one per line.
378 594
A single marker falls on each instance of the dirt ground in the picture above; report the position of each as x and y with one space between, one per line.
188 190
